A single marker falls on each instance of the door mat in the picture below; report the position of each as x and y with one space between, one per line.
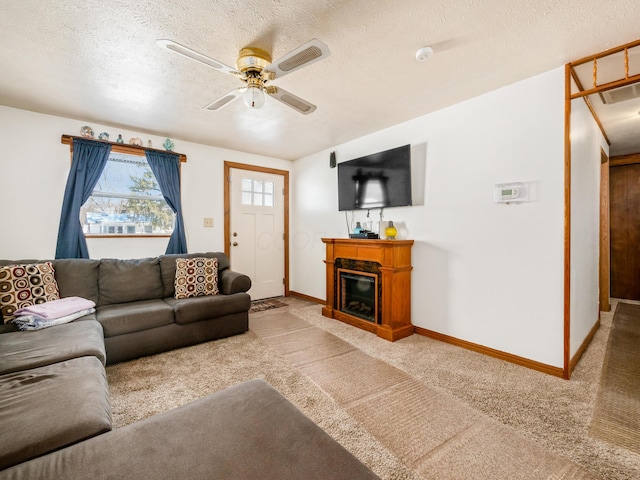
266 304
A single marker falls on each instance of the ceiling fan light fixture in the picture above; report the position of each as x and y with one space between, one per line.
254 96
255 68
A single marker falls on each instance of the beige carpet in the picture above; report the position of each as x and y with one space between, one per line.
550 413
430 431
553 412
617 414
150 385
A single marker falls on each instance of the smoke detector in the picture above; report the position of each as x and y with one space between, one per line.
423 54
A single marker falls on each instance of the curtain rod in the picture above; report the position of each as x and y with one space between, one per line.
122 147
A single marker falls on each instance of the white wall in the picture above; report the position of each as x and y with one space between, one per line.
486 273
586 142
33 172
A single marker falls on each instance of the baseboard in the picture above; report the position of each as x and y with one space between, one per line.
306 297
508 357
576 358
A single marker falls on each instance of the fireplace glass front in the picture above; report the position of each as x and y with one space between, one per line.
359 295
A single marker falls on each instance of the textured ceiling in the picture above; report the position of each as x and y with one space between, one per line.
98 61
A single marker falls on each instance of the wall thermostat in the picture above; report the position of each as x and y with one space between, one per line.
510 192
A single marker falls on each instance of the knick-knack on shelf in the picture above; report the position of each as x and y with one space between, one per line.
103 136
86 131
168 144
120 139
390 231
149 144
358 228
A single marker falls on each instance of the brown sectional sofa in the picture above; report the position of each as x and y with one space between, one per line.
55 415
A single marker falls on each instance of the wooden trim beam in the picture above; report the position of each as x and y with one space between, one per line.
620 160
567 223
576 358
508 357
587 100
606 53
122 147
308 298
608 86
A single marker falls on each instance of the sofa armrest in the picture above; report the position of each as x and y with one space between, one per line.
233 282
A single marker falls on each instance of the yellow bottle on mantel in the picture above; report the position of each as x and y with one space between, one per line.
390 231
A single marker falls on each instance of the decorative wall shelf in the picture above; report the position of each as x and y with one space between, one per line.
122 147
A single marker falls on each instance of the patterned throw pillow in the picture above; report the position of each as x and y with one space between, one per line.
25 285
196 277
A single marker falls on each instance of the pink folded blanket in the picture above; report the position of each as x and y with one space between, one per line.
57 308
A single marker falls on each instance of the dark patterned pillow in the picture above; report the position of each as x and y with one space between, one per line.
25 285
196 277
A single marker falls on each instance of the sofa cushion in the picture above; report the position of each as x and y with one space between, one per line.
123 281
196 277
26 284
32 349
47 408
122 318
196 309
243 432
77 277
168 267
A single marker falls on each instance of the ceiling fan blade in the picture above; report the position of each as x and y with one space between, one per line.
224 100
291 100
311 52
198 57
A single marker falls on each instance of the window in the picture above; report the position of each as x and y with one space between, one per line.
257 192
126 201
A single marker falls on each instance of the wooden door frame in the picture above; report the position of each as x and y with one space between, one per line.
605 245
227 210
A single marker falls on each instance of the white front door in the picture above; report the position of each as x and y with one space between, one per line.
257 230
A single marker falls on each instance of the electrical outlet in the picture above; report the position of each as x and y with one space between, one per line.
208 222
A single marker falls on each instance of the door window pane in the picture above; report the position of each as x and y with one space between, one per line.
258 193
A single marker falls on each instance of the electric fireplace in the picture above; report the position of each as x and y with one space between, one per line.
368 285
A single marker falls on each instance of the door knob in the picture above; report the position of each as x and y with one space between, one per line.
235 244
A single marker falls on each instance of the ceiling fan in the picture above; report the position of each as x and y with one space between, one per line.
255 68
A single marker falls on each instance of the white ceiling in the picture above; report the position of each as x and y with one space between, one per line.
98 61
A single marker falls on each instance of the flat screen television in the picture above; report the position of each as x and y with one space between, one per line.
379 180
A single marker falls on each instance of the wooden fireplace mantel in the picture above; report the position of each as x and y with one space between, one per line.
394 257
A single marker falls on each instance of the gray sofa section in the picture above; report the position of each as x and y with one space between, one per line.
55 413
47 408
248 431
135 304
26 350
53 388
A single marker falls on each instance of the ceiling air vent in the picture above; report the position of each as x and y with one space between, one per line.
622 94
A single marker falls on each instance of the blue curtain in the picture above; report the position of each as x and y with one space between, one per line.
166 168
89 159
